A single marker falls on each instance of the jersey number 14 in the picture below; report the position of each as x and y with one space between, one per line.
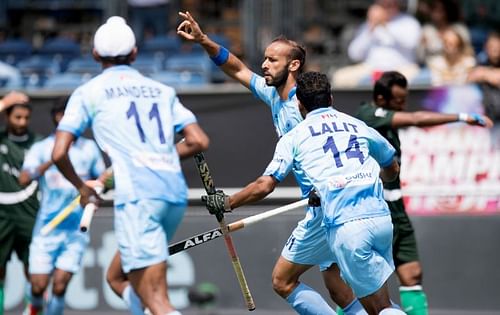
352 152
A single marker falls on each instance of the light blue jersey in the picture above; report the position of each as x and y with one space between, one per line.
286 116
132 118
57 191
341 155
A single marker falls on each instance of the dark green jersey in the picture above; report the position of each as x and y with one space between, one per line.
381 120
16 201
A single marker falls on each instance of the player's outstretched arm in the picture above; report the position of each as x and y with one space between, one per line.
229 63
195 141
253 192
428 119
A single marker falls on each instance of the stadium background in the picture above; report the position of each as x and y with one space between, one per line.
459 251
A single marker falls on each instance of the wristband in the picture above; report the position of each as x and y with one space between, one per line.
2 105
463 116
221 57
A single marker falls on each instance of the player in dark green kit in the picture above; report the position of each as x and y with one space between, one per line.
18 204
386 114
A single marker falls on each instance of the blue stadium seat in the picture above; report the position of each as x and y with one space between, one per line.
84 65
61 49
66 81
147 65
198 64
161 46
14 50
37 69
180 78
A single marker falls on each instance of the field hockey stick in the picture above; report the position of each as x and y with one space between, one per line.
208 183
89 210
61 216
232 227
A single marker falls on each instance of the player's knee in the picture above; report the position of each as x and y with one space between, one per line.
59 288
38 287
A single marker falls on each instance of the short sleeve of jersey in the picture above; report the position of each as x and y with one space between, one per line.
380 149
76 117
33 159
375 117
261 90
181 116
282 162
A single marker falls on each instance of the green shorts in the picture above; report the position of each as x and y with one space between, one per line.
404 243
15 235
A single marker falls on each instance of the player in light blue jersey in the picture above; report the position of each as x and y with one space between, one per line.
341 156
283 61
134 120
57 255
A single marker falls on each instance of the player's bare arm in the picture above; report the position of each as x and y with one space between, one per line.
429 119
233 66
253 192
60 157
195 141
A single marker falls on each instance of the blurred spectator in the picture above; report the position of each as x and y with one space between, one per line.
149 18
481 16
487 75
456 61
386 41
440 14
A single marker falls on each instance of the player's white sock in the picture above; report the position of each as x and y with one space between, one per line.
55 305
306 301
391 311
174 313
354 308
132 301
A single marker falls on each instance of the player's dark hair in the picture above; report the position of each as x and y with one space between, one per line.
118 60
297 52
383 86
58 107
314 90
9 110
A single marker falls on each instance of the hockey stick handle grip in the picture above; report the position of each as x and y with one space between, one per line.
88 211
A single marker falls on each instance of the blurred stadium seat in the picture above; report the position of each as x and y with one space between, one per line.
65 81
147 65
60 49
198 64
84 65
161 46
37 69
180 78
14 50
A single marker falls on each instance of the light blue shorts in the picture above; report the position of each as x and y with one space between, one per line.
308 244
143 229
61 249
364 251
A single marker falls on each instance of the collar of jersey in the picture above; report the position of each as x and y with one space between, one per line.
119 68
318 111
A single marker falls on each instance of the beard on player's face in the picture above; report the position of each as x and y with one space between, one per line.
279 78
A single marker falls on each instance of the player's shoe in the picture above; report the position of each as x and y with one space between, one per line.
31 310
